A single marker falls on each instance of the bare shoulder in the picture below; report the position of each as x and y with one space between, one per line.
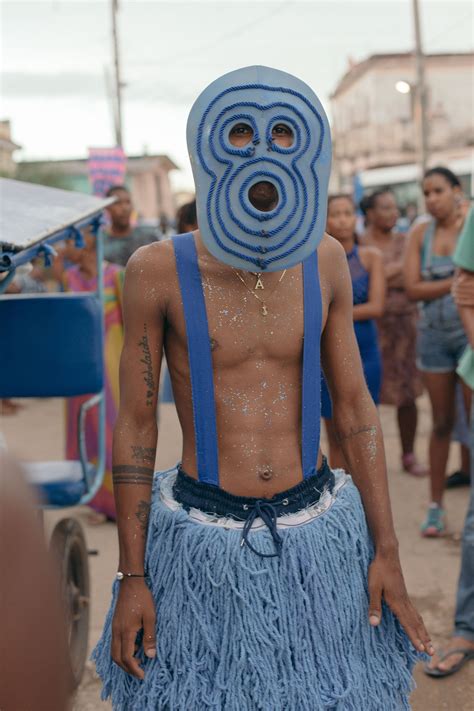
332 264
330 249
370 250
152 260
417 233
372 256
150 276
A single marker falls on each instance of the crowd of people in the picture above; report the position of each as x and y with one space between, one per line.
413 317
407 323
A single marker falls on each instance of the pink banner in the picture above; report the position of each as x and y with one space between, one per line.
107 167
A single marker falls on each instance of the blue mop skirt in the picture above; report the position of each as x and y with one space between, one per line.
241 632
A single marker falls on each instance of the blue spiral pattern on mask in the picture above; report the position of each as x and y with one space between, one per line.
256 167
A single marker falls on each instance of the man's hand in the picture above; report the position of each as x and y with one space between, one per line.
135 611
386 580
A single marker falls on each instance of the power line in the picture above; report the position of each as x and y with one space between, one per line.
237 32
448 29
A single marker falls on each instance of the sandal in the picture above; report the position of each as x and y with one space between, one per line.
412 466
467 654
458 478
434 524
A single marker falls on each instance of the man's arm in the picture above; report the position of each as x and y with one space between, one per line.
134 448
358 430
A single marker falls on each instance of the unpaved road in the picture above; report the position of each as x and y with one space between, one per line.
431 567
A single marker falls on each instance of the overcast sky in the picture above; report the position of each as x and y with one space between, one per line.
54 54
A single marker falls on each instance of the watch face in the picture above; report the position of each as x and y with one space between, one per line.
119 576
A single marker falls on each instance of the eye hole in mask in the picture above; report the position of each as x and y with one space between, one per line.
240 135
283 135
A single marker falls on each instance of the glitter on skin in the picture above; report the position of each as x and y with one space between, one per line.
263 393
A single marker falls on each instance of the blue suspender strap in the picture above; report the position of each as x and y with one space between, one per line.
311 388
200 359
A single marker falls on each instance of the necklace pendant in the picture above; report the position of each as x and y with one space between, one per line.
259 284
264 310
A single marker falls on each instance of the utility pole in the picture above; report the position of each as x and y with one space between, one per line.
420 96
110 92
117 81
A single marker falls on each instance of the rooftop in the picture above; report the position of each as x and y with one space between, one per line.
357 70
80 164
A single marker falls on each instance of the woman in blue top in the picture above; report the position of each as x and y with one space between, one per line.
429 272
368 287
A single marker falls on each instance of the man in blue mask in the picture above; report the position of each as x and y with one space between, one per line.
248 578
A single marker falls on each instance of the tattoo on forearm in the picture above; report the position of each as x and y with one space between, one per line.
369 429
123 479
143 454
143 515
132 474
148 372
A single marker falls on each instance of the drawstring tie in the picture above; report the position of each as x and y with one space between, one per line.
268 514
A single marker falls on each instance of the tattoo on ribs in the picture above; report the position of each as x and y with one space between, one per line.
132 474
148 372
368 429
143 514
143 454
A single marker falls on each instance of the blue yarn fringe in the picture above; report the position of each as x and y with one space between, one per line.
236 632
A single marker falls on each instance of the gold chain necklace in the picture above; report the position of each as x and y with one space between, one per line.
262 301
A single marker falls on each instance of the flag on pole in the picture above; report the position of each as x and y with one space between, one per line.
107 167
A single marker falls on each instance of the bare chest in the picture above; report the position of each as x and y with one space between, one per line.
248 325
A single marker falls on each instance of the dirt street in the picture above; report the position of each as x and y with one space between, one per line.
431 566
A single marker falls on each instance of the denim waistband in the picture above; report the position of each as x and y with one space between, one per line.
211 499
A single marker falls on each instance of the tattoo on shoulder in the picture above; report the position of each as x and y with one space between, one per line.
132 474
148 377
143 515
143 454
367 429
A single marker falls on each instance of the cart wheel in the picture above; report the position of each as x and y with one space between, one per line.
68 545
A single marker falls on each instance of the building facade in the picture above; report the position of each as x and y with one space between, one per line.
148 179
374 131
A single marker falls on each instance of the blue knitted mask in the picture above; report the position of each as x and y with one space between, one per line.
233 225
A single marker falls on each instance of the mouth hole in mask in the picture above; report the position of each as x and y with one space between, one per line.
283 135
263 196
240 134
